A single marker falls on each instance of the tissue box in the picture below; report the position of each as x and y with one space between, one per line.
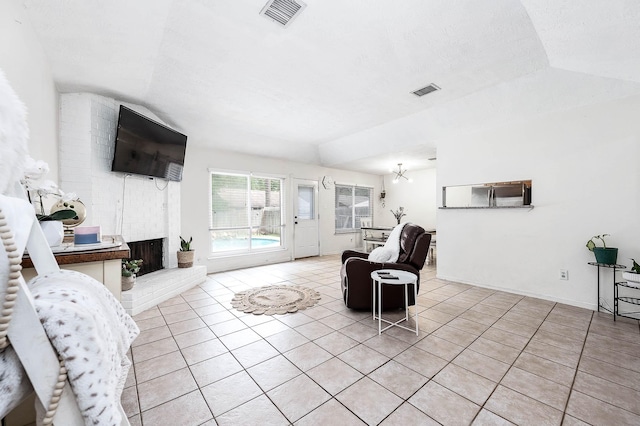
87 235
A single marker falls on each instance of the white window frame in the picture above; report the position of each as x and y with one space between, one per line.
354 217
248 175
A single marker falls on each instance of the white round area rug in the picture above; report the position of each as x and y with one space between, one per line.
275 299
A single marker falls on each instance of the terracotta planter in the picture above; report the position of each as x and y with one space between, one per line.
128 282
185 258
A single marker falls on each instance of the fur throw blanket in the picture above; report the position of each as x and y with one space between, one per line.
14 134
92 332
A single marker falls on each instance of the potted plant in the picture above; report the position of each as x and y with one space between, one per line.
399 214
130 268
39 188
605 255
633 275
186 254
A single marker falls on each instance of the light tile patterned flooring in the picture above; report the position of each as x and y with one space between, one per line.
483 357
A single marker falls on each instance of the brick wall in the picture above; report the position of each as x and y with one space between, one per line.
136 207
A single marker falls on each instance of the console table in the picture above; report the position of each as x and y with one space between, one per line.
103 265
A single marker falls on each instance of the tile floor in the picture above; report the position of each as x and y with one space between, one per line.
483 357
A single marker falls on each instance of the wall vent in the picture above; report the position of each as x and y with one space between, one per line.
426 90
282 11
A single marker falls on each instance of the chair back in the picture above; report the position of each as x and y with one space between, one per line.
414 245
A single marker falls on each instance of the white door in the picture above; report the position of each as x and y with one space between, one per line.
305 219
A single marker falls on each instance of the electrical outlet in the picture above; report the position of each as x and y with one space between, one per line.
564 274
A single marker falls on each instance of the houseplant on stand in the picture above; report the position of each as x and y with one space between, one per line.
130 268
604 255
185 254
633 275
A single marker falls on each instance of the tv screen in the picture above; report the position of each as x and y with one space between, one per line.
146 147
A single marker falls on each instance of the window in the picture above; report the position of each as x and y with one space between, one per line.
352 203
246 212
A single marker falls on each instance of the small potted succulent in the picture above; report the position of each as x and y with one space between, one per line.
633 275
130 268
186 254
604 255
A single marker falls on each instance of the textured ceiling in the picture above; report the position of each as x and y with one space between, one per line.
334 87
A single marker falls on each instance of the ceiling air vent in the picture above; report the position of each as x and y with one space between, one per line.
426 90
282 11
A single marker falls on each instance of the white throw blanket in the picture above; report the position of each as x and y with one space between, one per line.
391 249
91 331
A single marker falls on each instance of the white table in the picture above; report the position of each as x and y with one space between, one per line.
403 278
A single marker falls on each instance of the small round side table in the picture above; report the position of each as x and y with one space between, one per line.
393 277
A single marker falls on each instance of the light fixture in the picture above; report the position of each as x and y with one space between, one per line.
400 174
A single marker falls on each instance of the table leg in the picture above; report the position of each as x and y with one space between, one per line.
598 301
379 307
615 296
373 302
406 303
415 295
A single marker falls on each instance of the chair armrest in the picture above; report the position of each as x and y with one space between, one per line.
347 254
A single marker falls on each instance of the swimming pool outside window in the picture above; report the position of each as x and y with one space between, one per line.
246 212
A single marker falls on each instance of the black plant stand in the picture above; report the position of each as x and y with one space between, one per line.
615 302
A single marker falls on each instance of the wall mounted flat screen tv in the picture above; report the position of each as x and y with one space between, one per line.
146 147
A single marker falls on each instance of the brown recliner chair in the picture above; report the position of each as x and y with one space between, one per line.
356 271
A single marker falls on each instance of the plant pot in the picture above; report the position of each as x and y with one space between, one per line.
631 277
607 256
185 258
128 282
53 232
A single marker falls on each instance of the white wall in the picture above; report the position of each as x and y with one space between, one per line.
136 207
29 73
586 181
195 203
418 199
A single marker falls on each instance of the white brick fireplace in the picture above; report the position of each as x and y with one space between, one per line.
136 207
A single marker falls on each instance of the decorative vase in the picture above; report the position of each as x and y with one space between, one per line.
185 258
606 256
53 232
128 282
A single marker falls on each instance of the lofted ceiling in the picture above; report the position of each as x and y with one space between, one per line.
333 87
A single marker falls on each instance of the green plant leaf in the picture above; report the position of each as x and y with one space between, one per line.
59 215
